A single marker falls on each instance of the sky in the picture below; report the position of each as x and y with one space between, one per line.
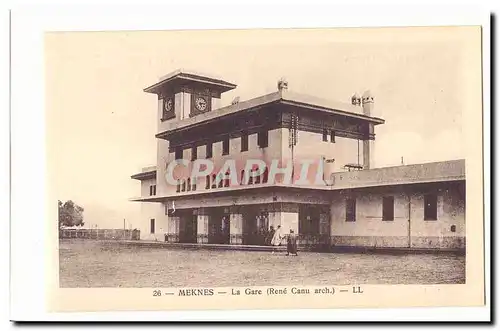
101 125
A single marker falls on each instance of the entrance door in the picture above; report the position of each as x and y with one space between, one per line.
188 228
226 234
249 228
255 227
219 227
309 224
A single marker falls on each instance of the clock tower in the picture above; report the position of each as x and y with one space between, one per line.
183 94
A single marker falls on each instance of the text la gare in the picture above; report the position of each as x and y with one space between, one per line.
248 291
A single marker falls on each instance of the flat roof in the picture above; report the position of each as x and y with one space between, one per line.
284 97
440 171
183 75
145 173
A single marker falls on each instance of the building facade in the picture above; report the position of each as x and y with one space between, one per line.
338 199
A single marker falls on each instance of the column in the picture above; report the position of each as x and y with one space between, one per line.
202 227
324 224
324 228
173 228
286 215
289 221
236 228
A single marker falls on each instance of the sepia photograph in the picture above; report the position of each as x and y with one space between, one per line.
307 168
299 163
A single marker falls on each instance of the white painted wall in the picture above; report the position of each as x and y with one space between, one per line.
150 210
369 223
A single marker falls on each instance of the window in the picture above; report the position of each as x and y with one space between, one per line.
257 178
244 142
194 153
350 210
430 207
325 135
178 189
189 184
152 225
263 139
388 208
219 180
332 136
207 182
214 181
152 189
209 150
226 180
242 182
225 146
265 175
178 153
193 184
183 185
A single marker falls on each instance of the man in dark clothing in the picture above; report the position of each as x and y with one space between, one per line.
270 235
291 244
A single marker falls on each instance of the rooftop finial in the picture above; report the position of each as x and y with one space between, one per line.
282 84
356 99
235 100
367 102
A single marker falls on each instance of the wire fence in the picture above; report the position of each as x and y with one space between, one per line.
100 234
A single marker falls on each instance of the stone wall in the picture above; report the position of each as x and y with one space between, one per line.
101 234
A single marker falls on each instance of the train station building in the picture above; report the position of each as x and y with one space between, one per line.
339 200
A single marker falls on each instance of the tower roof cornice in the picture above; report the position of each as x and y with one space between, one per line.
184 77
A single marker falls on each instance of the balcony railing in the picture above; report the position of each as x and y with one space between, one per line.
309 241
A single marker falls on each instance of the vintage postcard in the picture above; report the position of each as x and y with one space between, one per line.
265 169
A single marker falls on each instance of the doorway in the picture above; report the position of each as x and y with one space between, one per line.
255 227
188 228
219 227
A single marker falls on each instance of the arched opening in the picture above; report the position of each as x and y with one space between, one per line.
207 182
189 184
226 181
178 189
214 181
242 182
219 179
265 175
257 178
183 185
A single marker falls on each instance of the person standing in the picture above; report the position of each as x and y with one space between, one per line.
270 235
276 241
291 245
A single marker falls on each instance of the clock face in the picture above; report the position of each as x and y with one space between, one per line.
169 104
200 103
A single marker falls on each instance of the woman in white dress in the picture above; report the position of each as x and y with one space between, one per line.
276 241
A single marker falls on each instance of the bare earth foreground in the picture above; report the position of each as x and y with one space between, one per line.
88 263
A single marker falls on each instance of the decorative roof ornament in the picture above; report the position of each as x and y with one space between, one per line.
356 99
367 97
282 84
235 100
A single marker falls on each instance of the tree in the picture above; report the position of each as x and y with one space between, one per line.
70 214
